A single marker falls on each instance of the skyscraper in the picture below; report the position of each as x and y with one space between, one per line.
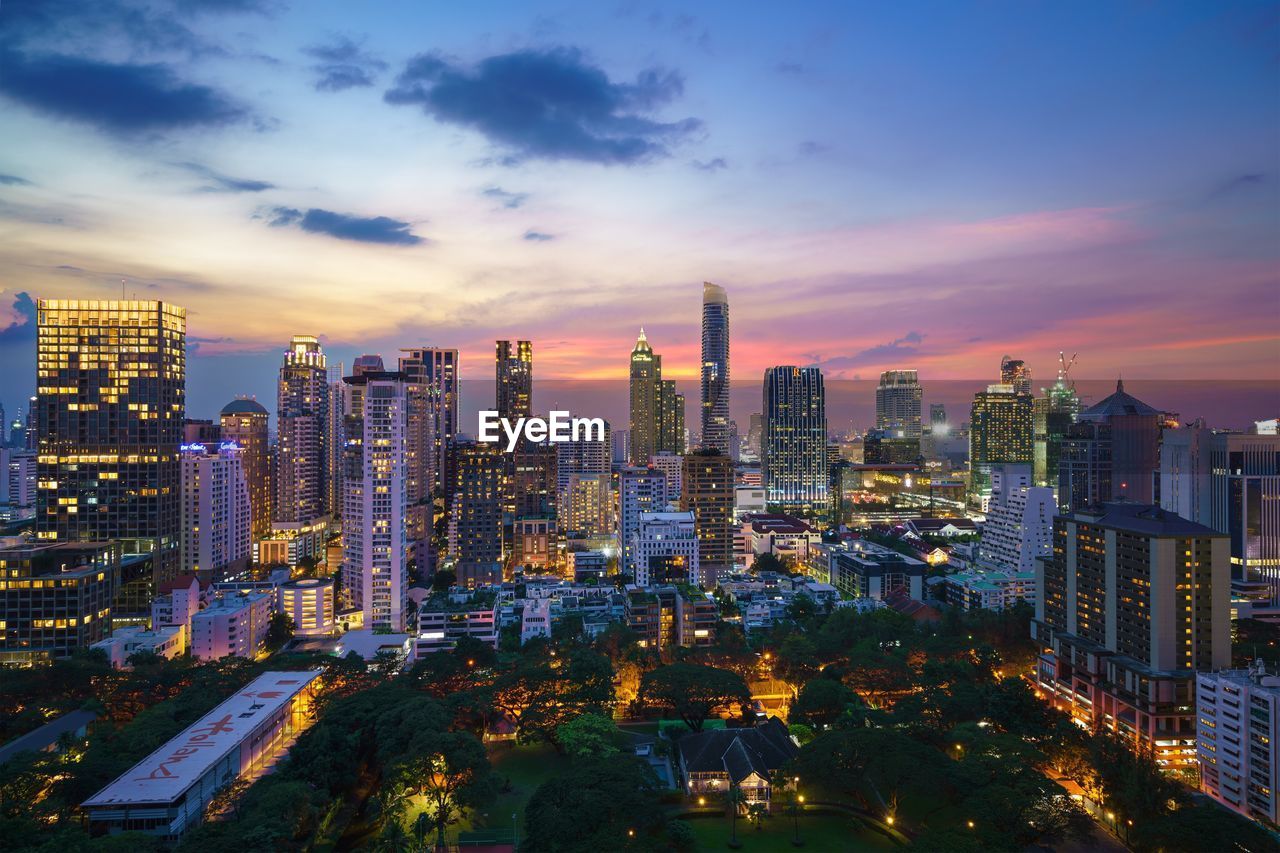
794 461
938 418
1001 430
216 511
1054 413
302 429
1014 371
375 482
715 368
433 413
476 522
111 385
515 380
534 486
640 490
244 421
898 404
707 490
657 410
1111 451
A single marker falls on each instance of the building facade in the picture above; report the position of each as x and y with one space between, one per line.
1237 735
898 400
55 598
666 548
303 434
514 364
217 514
715 368
244 422
707 490
640 490
794 458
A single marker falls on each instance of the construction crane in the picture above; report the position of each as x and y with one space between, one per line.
1064 367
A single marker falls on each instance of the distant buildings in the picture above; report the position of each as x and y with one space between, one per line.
514 365
1014 372
1001 429
234 625
866 570
794 461
1238 716
898 400
216 511
665 548
476 523
707 490
244 422
671 465
1052 416
432 374
1111 452
55 598
715 368
1131 603
303 434
657 411
17 484
640 490
1019 526
533 488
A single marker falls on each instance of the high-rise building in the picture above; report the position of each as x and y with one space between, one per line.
1238 714
666 548
640 490
515 379
1112 451
111 379
534 486
1053 414
753 446
672 466
375 474
938 419
303 434
584 458
1229 481
794 461
587 506
707 489
715 368
898 404
476 514
201 432
657 409
1131 603
339 406
433 413
1001 430
17 484
244 421
1014 371
216 511
1019 527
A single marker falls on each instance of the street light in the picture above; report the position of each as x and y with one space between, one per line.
889 819
971 824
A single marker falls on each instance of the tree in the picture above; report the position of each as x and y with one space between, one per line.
589 736
682 836
768 562
797 659
280 631
593 806
692 691
450 772
823 702
443 579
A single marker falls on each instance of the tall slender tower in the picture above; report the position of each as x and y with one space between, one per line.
433 414
898 404
646 378
795 438
244 421
715 368
515 379
111 400
302 422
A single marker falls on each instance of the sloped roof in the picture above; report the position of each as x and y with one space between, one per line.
761 749
1119 403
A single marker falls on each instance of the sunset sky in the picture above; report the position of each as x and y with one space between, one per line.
886 185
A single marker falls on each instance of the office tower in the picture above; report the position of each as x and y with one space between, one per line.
754 444
477 513
56 598
244 421
534 486
1053 415
640 490
715 368
707 491
515 380
657 410
1131 602
18 432
1238 713
938 419
433 413
898 404
1019 527
1001 430
201 432
1014 371
666 548
1229 481
1112 451
794 462
111 379
374 549
620 446
339 407
216 511
302 424
672 466
583 457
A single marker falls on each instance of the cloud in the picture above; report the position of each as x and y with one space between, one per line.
22 326
1238 184
343 64
220 183
810 148
548 105
119 98
789 68
537 236
713 165
14 181
344 226
900 348
505 198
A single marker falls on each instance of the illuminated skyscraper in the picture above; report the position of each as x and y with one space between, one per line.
111 380
657 411
794 461
433 414
302 423
640 490
515 380
1054 414
1014 371
707 490
244 421
477 543
375 477
715 368
898 404
216 511
1000 430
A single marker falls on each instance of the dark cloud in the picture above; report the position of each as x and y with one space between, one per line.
216 182
810 148
14 181
789 68
712 165
903 347
122 99
537 236
504 197
549 105
24 329
344 226
1237 184
343 64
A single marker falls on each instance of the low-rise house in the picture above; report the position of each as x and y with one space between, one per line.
714 761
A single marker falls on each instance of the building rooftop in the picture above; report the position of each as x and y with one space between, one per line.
1147 519
739 752
243 406
777 523
1119 403
47 735
164 775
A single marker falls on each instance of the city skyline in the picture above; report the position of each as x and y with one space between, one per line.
1093 211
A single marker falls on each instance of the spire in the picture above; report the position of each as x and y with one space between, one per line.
1120 385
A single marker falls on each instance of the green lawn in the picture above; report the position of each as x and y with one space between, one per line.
820 832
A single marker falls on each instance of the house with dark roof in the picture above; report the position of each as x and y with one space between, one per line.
714 761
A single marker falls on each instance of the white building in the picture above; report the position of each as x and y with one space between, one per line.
1237 735
309 602
168 641
232 625
1019 527
992 590
217 518
535 619
292 541
176 601
669 464
375 555
665 542
748 499
640 490
443 620
166 793
17 484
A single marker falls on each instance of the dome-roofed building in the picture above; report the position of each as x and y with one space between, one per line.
1112 452
244 406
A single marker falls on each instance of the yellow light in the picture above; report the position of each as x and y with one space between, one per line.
802 798
971 824
702 801
889 820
